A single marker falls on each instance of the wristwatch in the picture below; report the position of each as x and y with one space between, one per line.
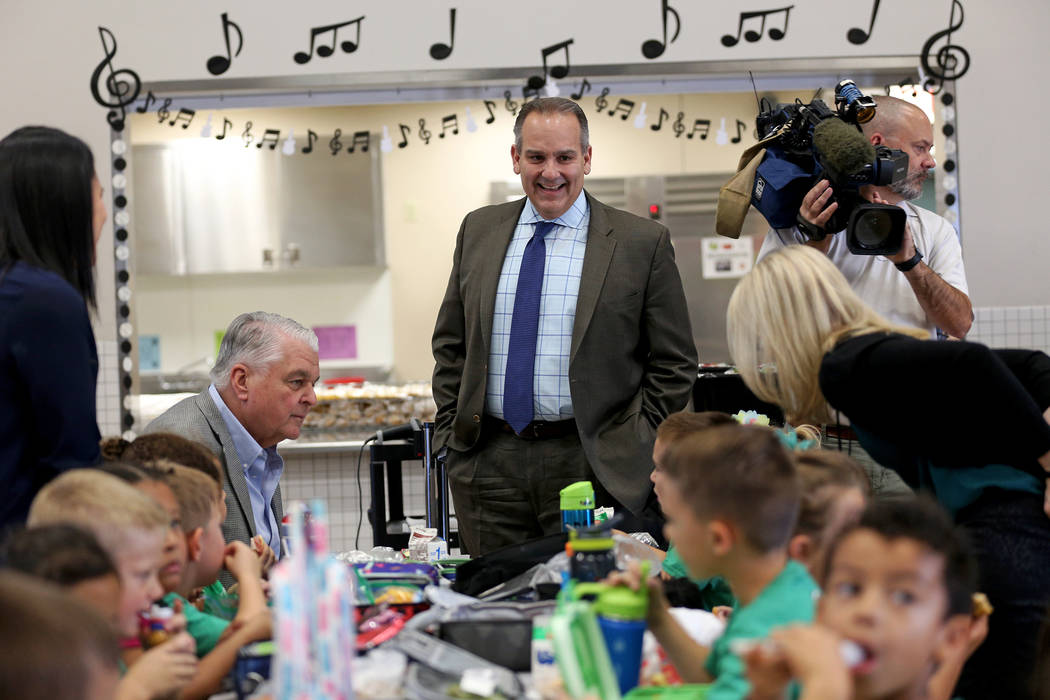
910 262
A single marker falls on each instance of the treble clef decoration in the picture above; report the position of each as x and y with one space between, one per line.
424 132
600 102
951 60
123 86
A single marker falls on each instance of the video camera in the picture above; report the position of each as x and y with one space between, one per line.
811 142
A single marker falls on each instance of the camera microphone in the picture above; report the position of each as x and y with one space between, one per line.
844 150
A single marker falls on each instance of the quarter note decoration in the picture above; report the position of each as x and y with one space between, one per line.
326 50
951 60
439 52
558 71
219 64
652 48
122 86
748 18
856 35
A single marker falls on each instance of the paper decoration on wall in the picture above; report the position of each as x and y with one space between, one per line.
439 52
336 342
288 147
219 64
951 60
122 86
386 144
585 87
557 71
679 125
472 125
856 35
721 258
326 50
206 129
654 48
226 124
751 36
639 120
269 138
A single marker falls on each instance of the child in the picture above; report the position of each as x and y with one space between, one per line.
132 535
712 592
731 498
834 490
53 645
201 512
900 587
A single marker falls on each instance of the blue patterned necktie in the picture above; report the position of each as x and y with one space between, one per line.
524 326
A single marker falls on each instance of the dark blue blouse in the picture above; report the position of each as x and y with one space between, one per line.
48 372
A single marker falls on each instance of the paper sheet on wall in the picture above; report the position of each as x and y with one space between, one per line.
723 258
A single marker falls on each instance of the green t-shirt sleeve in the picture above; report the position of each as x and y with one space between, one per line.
714 591
673 564
204 628
730 678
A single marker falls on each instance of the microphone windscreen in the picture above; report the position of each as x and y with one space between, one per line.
843 150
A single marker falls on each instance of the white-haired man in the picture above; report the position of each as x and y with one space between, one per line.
262 388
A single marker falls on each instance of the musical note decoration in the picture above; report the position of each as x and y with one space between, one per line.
206 129
335 145
600 102
624 108
326 50
449 123
585 87
184 117
246 135
424 133
144 107
748 19
122 86
311 136
858 36
490 106
361 139
558 72
386 144
950 62
439 51
405 131
510 104
163 112
269 138
226 124
219 64
288 147
664 114
654 48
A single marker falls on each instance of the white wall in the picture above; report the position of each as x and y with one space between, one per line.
1001 101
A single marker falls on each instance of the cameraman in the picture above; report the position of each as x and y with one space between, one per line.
923 285
928 292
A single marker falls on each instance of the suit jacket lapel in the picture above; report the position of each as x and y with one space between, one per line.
234 468
600 247
495 249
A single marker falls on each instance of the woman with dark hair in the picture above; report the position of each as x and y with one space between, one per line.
965 422
51 215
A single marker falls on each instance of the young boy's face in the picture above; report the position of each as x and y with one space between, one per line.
213 546
138 563
173 559
684 529
889 596
103 594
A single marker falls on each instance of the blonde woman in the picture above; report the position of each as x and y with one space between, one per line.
955 418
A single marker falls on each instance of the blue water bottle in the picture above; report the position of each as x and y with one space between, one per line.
577 506
621 618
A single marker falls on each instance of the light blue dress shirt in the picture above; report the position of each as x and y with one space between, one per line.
563 266
262 467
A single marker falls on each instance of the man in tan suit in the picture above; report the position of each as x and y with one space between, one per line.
562 342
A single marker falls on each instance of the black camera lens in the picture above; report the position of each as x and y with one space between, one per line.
872 229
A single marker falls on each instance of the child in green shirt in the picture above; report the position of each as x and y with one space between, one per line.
731 498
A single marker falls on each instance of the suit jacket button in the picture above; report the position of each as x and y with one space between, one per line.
477 418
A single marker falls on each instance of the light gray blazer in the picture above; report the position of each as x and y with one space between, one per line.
197 418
